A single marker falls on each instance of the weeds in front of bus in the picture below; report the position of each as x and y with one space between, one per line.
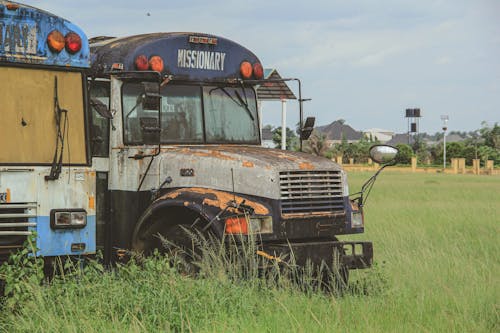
235 259
152 293
21 274
238 258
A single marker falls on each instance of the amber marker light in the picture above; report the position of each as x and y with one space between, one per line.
73 42
55 41
246 70
12 6
156 63
236 225
141 63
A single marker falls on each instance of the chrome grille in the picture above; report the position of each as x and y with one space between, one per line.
15 225
312 191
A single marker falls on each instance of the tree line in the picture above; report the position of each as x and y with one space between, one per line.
483 144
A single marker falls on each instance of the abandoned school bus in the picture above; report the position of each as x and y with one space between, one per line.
176 144
47 185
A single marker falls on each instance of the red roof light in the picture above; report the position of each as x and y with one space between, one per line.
73 42
258 71
141 63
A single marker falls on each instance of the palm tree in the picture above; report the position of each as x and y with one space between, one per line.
317 144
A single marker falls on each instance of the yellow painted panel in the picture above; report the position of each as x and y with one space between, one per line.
27 115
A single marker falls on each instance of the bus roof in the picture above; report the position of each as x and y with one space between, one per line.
184 55
24 37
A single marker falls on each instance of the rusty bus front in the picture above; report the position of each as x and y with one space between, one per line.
177 142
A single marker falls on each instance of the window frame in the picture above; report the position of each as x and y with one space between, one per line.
204 140
106 138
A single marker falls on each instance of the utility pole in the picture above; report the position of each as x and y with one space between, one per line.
445 119
283 124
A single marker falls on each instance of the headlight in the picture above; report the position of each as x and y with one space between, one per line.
356 215
356 219
261 224
68 219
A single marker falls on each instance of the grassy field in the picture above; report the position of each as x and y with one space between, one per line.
437 270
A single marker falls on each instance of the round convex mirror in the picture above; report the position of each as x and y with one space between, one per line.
383 154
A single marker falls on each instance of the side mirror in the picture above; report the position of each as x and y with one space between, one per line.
151 96
150 130
306 130
383 154
101 108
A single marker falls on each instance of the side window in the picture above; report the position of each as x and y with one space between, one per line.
99 129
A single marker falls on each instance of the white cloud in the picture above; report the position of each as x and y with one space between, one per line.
352 57
443 60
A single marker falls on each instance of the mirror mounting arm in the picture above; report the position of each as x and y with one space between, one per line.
367 186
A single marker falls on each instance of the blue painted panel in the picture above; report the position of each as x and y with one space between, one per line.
23 38
58 242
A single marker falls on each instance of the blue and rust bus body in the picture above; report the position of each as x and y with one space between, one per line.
47 184
184 147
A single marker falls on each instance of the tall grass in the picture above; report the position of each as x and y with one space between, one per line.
437 270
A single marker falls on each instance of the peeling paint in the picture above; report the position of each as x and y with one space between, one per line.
217 199
247 164
306 166
206 153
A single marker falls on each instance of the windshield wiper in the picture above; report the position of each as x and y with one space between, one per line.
244 104
57 161
240 102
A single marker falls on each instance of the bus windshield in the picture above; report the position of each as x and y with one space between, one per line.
28 115
195 114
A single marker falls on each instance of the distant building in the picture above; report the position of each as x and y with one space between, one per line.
398 139
338 131
403 139
452 138
267 138
378 134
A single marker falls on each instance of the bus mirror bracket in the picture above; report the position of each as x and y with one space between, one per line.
307 129
150 129
384 155
101 108
151 96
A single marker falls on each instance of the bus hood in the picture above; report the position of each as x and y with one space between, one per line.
251 170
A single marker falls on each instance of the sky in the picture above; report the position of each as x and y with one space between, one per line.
362 61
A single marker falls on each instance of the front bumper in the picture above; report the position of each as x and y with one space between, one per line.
354 255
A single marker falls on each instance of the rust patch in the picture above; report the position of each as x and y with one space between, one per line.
204 153
288 157
306 166
248 164
217 199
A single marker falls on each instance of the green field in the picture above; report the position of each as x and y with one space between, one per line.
437 270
